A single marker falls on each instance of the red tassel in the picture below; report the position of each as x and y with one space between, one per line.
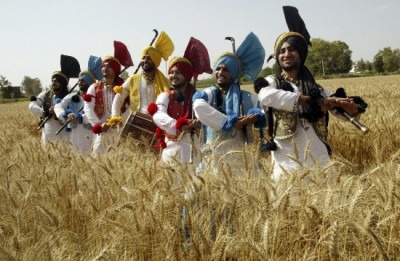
152 108
88 97
97 129
159 133
161 145
180 123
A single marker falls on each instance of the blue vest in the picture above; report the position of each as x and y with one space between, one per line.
210 134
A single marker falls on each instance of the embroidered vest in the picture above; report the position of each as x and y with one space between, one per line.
286 124
175 109
99 102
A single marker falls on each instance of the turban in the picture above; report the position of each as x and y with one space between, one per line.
87 77
116 67
232 62
296 40
163 48
93 72
183 65
155 55
61 78
249 59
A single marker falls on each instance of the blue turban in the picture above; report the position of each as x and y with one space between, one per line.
252 55
249 59
232 62
93 72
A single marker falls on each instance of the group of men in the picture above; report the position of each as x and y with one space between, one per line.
217 119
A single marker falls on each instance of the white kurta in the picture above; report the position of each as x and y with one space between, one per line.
311 151
187 147
146 96
230 151
104 140
81 136
52 125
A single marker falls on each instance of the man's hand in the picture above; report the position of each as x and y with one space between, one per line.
347 104
71 117
245 120
193 124
105 127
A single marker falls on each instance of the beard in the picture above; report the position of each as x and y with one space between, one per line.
147 67
224 85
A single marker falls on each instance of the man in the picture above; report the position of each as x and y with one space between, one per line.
299 107
143 88
98 104
71 109
221 108
43 106
174 115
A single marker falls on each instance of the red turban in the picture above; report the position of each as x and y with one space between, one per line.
184 66
116 67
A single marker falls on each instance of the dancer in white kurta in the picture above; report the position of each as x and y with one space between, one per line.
174 116
98 104
143 88
71 109
300 109
43 106
223 108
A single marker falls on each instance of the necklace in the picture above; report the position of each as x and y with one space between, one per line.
289 79
149 79
109 86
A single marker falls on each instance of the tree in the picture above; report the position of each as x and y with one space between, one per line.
387 60
340 54
31 86
3 83
360 66
378 62
326 57
318 57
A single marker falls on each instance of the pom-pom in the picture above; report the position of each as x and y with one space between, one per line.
159 133
97 129
115 119
152 108
361 104
117 89
268 146
75 98
180 123
33 98
161 145
87 97
340 92
260 83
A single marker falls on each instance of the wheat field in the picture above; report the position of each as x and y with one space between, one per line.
55 205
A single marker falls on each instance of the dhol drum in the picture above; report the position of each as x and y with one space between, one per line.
140 127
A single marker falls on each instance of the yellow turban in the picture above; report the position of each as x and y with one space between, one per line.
163 48
154 54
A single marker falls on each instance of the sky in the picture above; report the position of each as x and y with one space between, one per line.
36 33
